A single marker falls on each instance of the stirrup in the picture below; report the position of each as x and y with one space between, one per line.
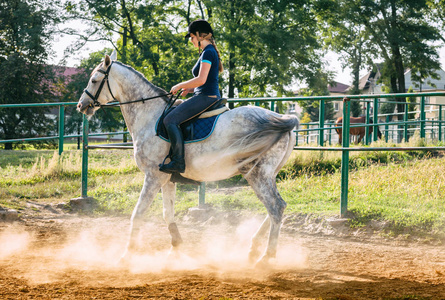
173 167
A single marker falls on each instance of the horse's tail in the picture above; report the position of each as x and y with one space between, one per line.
268 130
379 133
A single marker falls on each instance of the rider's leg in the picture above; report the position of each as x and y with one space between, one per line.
184 112
177 163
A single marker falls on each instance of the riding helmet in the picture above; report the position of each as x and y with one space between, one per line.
199 25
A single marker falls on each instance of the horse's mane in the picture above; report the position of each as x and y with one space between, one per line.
155 88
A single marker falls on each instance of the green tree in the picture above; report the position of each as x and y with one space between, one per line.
318 86
150 34
26 28
343 35
268 44
264 45
400 33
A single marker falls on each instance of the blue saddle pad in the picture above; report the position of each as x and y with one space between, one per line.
195 130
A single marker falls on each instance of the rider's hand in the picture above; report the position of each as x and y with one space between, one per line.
186 91
175 89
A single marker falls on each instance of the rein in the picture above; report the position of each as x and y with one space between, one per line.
96 103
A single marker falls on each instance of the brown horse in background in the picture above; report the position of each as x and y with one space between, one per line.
356 131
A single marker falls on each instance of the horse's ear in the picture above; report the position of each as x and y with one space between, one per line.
107 60
113 55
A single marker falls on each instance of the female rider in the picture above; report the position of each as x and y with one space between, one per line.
204 85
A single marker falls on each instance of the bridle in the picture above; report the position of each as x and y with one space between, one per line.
96 103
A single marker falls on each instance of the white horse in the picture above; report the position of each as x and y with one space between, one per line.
248 140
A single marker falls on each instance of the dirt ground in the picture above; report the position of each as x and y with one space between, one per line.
49 254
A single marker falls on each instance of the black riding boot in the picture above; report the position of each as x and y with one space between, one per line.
177 163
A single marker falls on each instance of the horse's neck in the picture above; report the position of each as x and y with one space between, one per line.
139 115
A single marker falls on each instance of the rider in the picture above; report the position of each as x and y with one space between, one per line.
204 85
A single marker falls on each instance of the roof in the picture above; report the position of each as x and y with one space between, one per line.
66 72
337 87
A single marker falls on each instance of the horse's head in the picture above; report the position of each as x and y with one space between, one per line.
95 95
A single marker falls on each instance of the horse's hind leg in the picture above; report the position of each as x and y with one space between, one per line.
254 252
266 190
168 198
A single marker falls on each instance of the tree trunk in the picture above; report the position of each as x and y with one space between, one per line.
231 78
400 87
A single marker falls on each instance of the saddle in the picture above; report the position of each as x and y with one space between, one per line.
198 128
194 130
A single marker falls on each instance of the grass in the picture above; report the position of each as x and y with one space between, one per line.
405 190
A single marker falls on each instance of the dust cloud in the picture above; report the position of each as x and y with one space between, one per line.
13 241
96 248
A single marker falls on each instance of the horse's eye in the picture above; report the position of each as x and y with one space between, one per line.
93 81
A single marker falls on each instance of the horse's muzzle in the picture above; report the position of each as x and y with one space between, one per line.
85 107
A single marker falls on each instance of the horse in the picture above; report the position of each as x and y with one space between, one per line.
248 140
356 131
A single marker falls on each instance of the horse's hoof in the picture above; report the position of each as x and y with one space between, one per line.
124 260
174 253
263 264
253 256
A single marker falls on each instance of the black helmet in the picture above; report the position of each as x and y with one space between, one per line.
199 25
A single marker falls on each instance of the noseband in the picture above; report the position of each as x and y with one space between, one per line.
96 103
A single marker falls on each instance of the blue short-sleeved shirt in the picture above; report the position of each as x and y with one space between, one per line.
211 86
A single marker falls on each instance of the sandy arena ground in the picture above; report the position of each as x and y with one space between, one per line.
67 256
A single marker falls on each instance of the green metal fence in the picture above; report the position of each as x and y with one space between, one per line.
321 129
61 123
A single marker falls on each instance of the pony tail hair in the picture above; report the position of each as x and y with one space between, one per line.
220 67
210 37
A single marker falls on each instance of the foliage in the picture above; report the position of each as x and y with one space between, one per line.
317 86
266 45
344 35
305 119
25 32
398 31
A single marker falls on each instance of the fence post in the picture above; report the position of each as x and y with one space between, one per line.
61 127
386 129
405 119
202 195
321 120
85 129
330 135
440 123
422 117
124 136
368 108
345 159
376 119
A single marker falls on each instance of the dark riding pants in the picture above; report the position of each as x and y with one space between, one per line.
189 109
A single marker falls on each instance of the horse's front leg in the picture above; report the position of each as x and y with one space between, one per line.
149 190
168 198
360 137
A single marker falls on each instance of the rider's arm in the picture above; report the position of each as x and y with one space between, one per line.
195 82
